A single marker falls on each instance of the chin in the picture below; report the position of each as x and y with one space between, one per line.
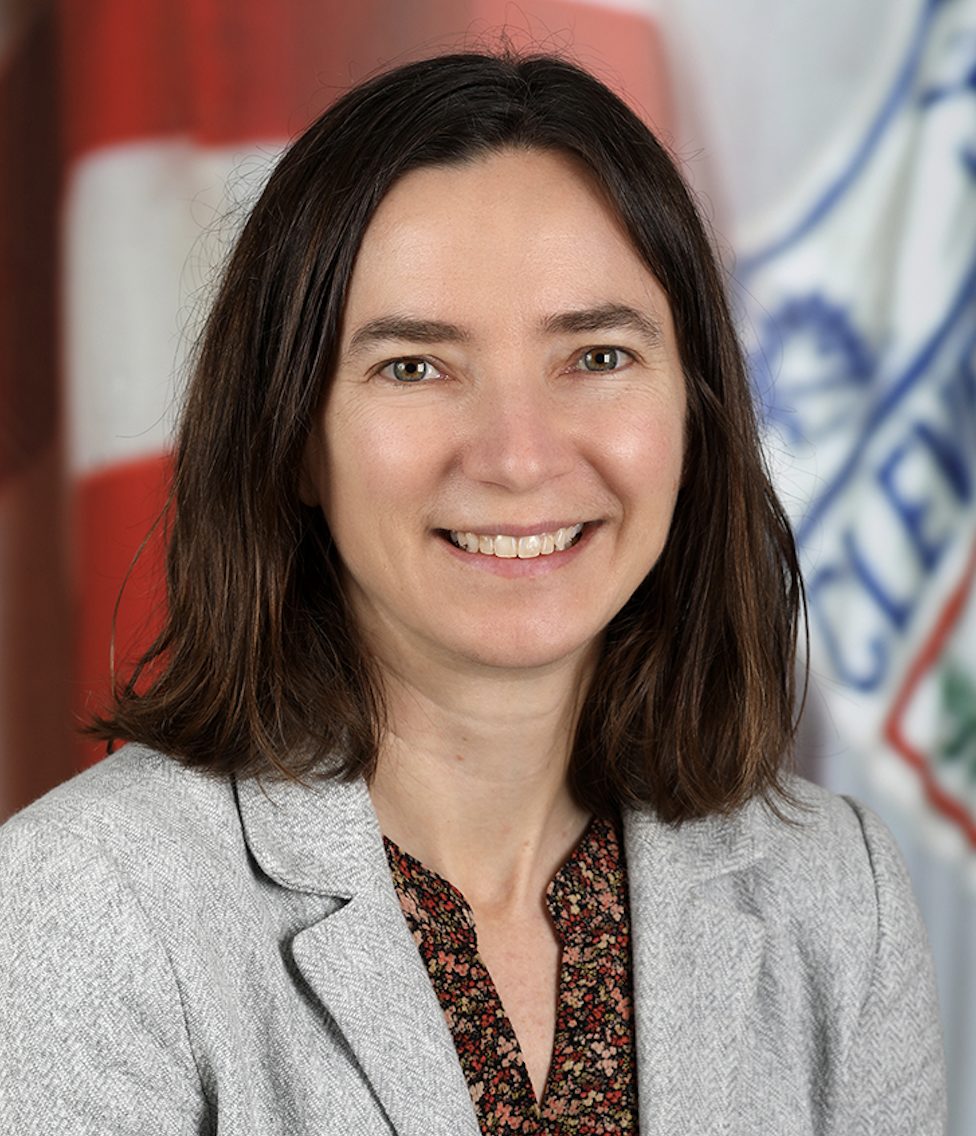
520 651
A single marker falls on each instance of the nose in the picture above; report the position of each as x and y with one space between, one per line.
516 434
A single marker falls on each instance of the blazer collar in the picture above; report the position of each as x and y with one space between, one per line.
696 851
696 962
321 836
360 961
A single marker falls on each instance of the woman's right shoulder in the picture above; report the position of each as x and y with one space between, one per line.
100 877
134 806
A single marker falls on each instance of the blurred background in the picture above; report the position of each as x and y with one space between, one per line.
833 148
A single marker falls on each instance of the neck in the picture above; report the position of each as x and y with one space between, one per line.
472 779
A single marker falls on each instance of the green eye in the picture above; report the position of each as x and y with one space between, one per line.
410 370
601 359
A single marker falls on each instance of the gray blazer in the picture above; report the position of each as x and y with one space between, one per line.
183 954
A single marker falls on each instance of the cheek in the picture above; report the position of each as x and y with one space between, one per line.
377 463
648 457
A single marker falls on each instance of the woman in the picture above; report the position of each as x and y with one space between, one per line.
458 801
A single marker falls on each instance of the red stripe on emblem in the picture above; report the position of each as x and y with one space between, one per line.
894 727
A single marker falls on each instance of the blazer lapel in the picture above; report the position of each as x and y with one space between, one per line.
696 959
360 961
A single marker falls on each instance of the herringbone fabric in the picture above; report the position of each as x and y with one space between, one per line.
182 954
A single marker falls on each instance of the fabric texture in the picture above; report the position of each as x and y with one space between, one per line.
181 953
590 1089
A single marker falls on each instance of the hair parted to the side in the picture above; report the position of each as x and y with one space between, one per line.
259 667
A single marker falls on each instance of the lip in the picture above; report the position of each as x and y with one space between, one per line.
520 569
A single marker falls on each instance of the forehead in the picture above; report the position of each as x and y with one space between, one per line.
513 233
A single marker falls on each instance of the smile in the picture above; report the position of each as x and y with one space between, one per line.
523 547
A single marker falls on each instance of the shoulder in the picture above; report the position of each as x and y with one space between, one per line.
111 882
811 837
820 836
853 946
844 1004
847 945
829 865
81 931
835 855
820 872
136 816
134 792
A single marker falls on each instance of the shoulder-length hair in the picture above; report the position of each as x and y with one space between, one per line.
259 667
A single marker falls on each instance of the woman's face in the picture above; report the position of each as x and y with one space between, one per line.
501 446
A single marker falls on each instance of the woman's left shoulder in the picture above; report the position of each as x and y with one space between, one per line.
841 905
846 957
820 872
812 892
813 832
833 853
806 848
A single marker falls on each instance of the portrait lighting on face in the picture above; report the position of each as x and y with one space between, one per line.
500 448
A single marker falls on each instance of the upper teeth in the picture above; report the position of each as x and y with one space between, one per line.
524 547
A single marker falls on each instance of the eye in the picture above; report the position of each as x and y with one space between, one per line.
409 370
603 360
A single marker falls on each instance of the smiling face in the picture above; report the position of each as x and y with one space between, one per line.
500 449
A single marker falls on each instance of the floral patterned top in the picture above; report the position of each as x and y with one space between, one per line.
591 1088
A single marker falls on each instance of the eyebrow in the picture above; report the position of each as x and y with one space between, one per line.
404 328
604 317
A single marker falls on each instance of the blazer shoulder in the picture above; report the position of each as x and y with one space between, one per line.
135 807
823 839
80 935
853 904
831 869
820 872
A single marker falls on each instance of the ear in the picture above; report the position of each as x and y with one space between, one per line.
308 492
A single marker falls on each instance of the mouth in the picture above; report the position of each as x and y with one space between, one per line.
508 547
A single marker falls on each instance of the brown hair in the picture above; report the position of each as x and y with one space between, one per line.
259 667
